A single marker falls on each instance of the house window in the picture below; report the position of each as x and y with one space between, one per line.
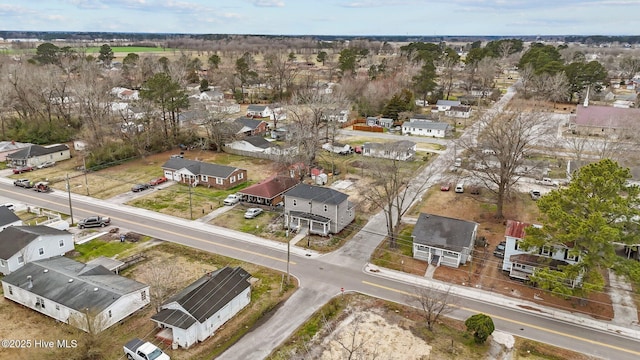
326 208
568 256
57 307
428 130
204 178
20 259
39 302
546 251
240 176
517 245
2 263
61 243
295 202
109 313
233 179
10 290
41 251
219 181
143 295
349 212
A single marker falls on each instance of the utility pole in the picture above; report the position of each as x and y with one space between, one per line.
86 182
288 258
69 193
190 202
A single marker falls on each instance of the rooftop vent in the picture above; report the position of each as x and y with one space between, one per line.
70 280
95 289
45 271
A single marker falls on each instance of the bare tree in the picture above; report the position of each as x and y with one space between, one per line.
162 281
394 192
526 80
281 73
433 303
499 156
354 344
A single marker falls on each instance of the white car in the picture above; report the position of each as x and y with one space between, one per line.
46 164
252 212
231 199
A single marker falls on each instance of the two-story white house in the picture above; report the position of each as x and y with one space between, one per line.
196 312
86 296
20 245
521 263
316 209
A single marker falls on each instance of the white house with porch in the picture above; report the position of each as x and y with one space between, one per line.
441 240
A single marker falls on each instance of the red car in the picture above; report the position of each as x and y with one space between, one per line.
21 169
157 181
445 187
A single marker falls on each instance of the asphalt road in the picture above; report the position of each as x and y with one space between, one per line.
322 277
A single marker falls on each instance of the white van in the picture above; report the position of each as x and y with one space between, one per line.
460 187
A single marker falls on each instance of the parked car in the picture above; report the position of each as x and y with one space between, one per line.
21 169
548 182
140 187
474 190
46 164
535 194
158 181
499 251
94 221
252 212
445 187
25 183
177 156
137 349
231 199
460 188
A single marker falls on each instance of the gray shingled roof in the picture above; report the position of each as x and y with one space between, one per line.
207 295
7 216
427 125
37 150
402 145
248 122
258 141
443 232
175 318
254 107
15 238
199 167
73 284
317 193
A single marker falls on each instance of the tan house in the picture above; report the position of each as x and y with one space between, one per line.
201 173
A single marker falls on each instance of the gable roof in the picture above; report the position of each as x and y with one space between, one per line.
254 107
174 317
444 232
73 284
37 150
7 216
317 193
199 167
607 116
461 108
515 229
207 295
271 187
401 145
15 238
448 103
248 123
12 145
258 141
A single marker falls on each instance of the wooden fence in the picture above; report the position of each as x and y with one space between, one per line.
368 128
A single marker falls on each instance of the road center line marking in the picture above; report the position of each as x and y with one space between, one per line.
515 321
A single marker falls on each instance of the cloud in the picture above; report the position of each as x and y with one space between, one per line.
13 10
268 3
376 3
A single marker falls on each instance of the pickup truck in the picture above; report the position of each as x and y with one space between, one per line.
137 349
94 221
25 183
548 182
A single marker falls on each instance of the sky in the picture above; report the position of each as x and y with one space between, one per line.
327 17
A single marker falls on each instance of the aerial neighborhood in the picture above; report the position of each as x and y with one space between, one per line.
229 200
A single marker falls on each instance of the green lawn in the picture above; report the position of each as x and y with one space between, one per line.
99 247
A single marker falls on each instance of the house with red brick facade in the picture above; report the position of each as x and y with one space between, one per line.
205 174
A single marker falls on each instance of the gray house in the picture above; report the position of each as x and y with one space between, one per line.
399 150
8 218
35 155
201 308
441 240
89 297
318 209
20 245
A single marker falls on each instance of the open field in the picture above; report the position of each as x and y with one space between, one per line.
186 266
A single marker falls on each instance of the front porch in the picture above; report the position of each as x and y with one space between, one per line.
296 220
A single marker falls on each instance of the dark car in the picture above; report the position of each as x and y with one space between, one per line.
140 187
499 251
94 221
